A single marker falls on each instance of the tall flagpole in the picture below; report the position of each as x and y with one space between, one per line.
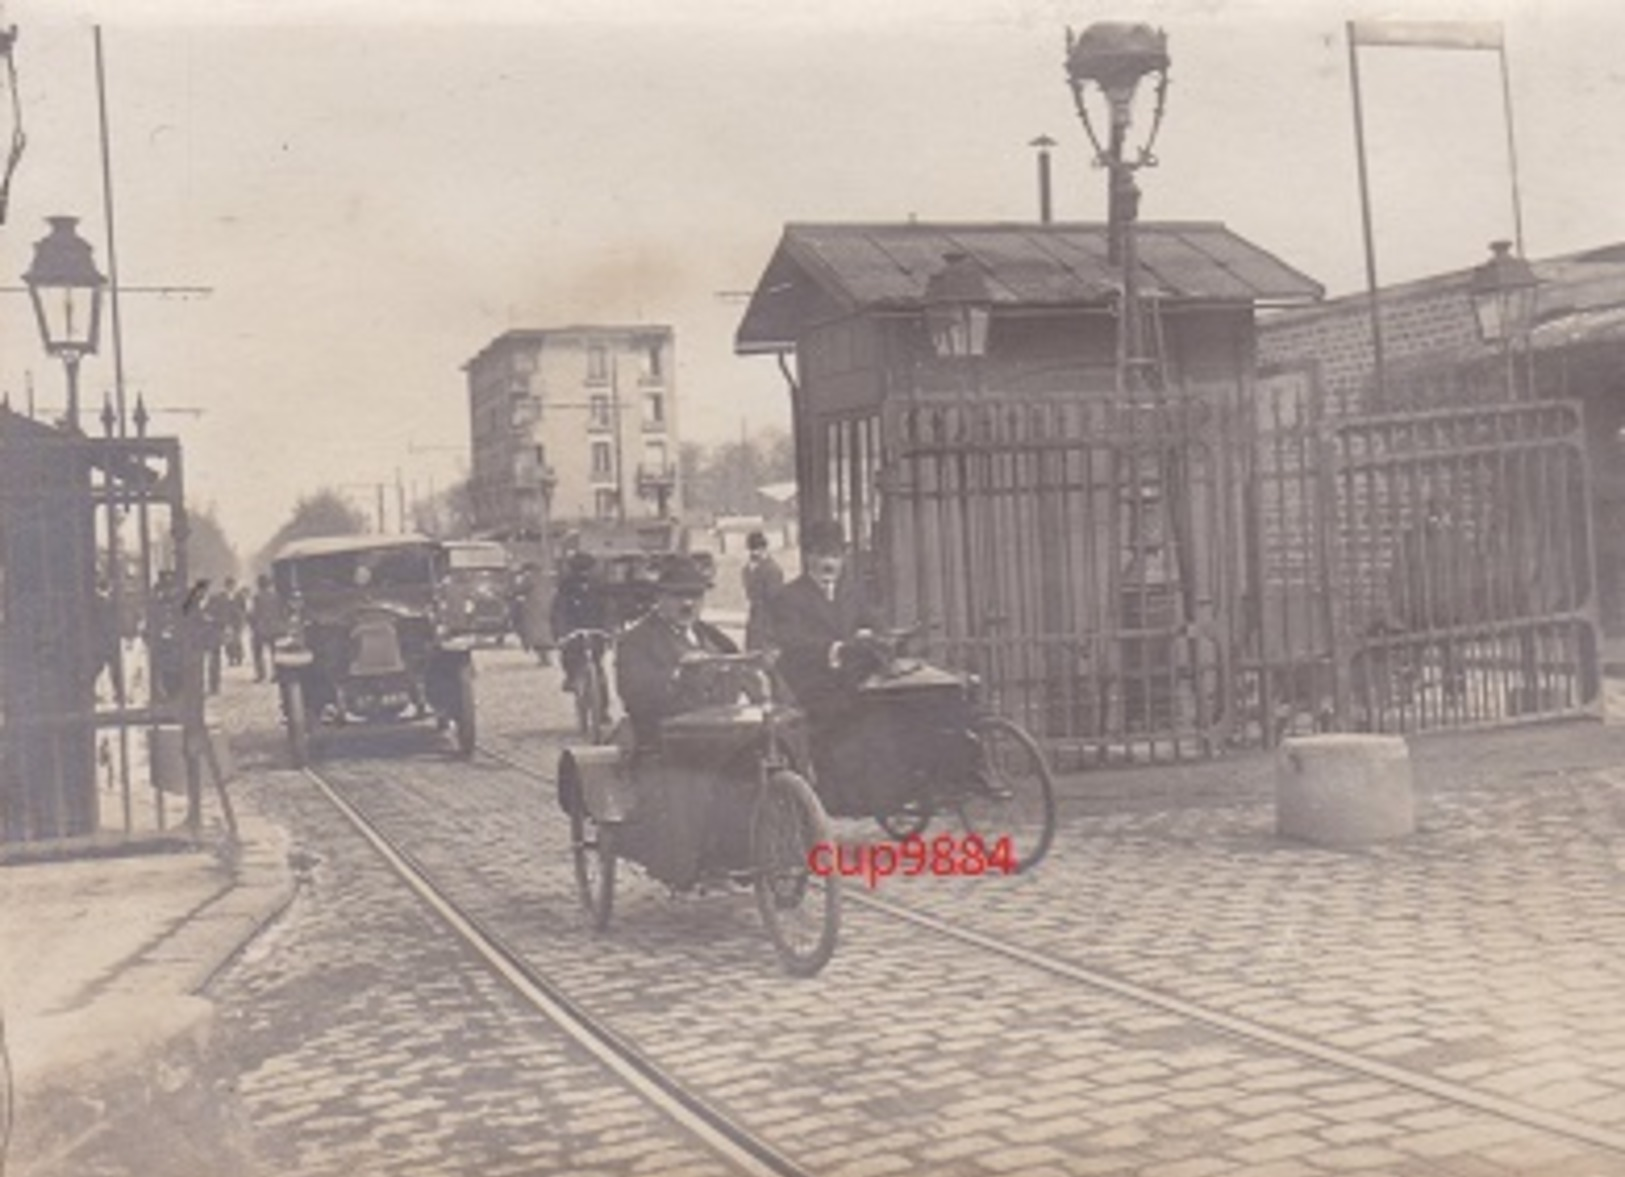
112 247
1379 369
1512 147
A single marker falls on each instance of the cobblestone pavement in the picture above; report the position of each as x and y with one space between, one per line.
1483 951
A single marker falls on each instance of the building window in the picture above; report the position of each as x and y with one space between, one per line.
598 412
602 460
653 362
604 504
597 363
654 410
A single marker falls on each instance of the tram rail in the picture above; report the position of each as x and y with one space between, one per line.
731 1142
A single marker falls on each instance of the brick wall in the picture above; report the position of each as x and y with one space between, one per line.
1418 319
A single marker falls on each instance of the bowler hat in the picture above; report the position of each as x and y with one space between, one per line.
756 540
681 576
823 537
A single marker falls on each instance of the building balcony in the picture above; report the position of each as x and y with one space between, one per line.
655 480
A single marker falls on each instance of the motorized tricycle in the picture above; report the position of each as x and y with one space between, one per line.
915 742
719 802
367 641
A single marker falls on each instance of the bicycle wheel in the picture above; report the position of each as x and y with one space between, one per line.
593 846
802 910
1011 793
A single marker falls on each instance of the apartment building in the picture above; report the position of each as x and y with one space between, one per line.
573 423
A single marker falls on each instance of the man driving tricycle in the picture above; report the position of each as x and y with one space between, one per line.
705 791
895 738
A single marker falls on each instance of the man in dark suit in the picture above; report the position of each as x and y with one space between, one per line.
649 655
821 625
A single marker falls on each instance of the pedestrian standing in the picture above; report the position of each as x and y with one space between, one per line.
763 579
266 623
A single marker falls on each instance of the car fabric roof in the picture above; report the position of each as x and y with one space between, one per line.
328 545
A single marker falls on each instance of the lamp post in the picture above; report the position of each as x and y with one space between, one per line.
1113 59
1504 292
66 290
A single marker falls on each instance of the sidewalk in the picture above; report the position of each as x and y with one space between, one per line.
101 960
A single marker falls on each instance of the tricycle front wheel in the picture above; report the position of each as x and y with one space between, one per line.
802 910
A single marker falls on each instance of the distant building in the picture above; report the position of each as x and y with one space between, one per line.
571 424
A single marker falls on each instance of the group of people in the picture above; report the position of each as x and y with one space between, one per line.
818 623
223 626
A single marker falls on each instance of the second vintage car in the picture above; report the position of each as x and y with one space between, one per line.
477 589
368 640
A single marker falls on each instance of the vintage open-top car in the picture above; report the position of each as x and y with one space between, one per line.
367 638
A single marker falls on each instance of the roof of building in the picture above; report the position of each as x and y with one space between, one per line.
1581 298
532 335
826 271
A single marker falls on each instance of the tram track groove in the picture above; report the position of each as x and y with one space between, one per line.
715 1130
1229 1025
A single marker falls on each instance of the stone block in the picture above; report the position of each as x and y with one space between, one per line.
1344 789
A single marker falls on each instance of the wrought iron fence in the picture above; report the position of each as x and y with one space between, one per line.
93 647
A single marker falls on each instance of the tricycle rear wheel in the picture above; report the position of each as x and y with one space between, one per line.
802 910
1012 794
593 847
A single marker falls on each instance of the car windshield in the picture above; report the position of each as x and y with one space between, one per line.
403 567
483 557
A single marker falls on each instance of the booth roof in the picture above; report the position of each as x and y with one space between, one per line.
823 272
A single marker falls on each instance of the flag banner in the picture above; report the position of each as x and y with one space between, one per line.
1428 34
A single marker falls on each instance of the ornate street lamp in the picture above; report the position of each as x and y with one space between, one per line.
958 308
1504 292
1115 58
66 289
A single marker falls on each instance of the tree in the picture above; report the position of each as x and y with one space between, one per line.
324 513
209 554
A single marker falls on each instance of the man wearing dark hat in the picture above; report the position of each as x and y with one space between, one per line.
648 655
763 579
820 622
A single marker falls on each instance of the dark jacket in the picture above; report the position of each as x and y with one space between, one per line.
806 626
646 678
578 604
762 583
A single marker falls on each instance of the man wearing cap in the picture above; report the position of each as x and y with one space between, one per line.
820 623
649 654
763 579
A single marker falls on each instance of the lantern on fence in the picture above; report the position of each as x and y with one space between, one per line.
958 308
1504 291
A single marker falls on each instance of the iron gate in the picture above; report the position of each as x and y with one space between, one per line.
1423 567
1159 581
1076 554
91 641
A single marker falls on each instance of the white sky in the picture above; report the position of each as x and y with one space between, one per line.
374 190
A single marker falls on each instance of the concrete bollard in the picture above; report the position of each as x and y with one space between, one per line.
1344 789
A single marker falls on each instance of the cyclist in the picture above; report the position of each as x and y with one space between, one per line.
578 604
